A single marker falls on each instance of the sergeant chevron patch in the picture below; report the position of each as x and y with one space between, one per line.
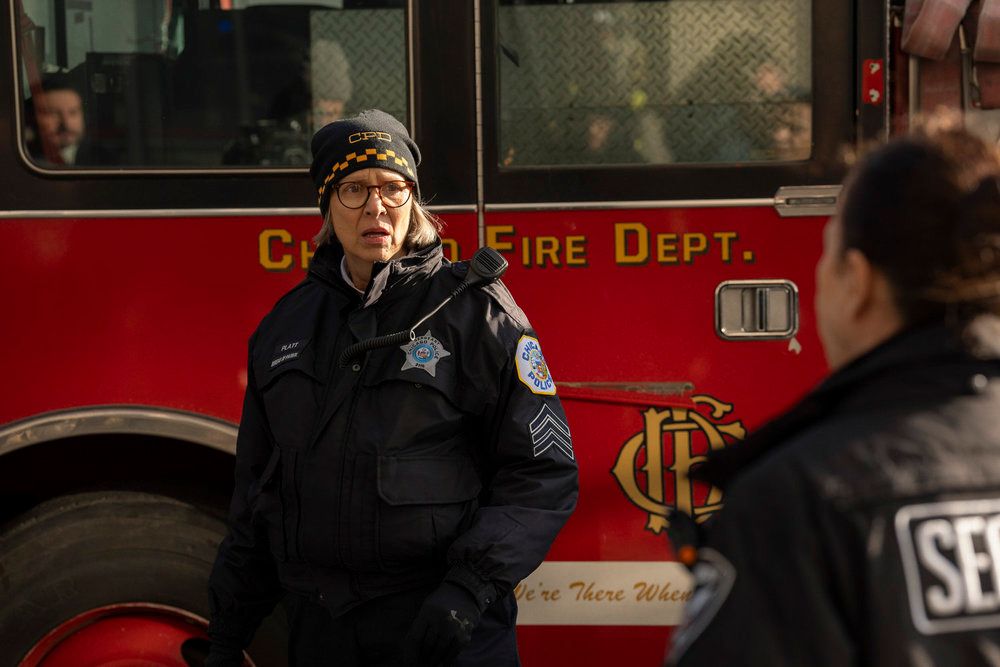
547 430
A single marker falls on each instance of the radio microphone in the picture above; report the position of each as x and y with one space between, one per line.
485 267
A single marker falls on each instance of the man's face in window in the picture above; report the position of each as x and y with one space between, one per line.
60 118
325 111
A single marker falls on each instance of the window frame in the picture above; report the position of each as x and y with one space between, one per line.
833 127
443 180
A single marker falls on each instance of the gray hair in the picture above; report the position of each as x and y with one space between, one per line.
424 229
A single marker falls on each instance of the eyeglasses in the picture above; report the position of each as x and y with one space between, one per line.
393 193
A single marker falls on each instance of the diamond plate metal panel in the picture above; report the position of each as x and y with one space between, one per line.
360 55
655 82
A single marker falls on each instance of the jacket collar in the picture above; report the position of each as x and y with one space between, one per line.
915 354
389 279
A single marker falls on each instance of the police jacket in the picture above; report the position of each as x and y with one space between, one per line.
446 458
862 527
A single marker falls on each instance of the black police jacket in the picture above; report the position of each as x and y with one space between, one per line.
446 458
862 527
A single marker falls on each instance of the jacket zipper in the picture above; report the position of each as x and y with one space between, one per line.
343 452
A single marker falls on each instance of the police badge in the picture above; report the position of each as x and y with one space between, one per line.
424 353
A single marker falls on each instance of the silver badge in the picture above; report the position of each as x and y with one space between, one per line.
424 352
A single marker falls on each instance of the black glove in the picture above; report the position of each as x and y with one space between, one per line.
443 626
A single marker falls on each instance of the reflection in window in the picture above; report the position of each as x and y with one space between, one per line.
705 81
201 83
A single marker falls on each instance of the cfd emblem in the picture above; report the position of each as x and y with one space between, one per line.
659 457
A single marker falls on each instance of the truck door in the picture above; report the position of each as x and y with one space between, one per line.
658 175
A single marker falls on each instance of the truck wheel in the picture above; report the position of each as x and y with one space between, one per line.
113 578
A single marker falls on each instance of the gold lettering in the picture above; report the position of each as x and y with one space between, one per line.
648 592
546 249
680 423
693 244
365 136
683 459
267 260
451 245
538 591
494 234
306 253
588 592
644 592
576 251
666 248
726 239
623 232
624 472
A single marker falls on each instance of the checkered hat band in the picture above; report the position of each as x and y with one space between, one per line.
359 158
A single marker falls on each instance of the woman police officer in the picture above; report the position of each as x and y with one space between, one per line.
397 493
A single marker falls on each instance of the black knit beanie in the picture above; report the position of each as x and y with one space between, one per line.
373 138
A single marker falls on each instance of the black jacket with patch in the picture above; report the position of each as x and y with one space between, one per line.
448 458
862 527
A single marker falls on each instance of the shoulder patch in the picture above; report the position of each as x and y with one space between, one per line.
550 430
531 367
714 576
949 552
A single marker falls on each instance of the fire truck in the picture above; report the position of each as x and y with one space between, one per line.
656 173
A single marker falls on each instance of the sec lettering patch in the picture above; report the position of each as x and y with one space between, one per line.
950 553
424 353
531 367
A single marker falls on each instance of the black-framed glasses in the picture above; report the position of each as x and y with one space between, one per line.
393 193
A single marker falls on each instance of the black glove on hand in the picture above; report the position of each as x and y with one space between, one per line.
443 626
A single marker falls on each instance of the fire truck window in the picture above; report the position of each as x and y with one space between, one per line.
678 81
201 83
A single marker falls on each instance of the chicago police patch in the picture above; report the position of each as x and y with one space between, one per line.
424 353
531 367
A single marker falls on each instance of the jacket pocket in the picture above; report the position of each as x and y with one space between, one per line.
425 503
267 508
291 393
391 367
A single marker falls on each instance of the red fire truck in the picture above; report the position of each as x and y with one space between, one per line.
657 174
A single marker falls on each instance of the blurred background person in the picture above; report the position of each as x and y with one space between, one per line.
330 75
57 125
313 98
862 527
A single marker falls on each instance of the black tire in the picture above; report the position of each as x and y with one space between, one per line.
79 552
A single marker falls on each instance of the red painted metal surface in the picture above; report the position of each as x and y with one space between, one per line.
873 82
122 635
154 311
